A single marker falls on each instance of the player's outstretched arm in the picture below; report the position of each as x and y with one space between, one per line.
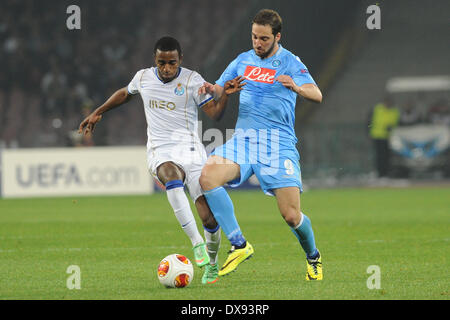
215 109
118 98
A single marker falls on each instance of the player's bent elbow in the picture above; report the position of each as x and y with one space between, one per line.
317 96
213 111
315 99
310 92
218 116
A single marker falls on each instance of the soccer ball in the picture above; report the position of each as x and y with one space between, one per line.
175 271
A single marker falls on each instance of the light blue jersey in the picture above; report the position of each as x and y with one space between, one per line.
265 103
264 142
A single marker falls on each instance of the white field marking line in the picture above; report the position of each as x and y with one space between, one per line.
7 250
52 236
374 241
88 249
182 247
70 219
396 240
67 235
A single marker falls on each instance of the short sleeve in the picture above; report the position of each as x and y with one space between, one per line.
229 73
300 73
133 86
196 82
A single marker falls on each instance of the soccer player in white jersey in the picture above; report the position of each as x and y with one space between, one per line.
175 153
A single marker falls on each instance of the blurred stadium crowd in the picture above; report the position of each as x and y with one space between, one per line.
52 76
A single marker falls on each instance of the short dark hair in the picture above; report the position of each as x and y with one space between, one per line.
168 44
269 17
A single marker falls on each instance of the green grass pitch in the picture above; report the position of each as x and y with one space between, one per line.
118 242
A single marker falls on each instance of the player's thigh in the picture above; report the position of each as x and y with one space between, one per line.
169 171
192 182
218 171
288 201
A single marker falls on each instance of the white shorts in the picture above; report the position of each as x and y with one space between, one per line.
190 158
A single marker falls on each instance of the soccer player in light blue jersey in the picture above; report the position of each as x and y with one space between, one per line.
264 142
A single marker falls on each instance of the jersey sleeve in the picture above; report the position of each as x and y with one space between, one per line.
300 73
133 86
229 73
196 82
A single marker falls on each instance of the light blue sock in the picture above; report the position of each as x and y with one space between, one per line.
305 236
223 210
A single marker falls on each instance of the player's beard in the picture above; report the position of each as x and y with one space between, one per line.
165 79
268 52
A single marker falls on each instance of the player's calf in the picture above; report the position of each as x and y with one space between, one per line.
205 214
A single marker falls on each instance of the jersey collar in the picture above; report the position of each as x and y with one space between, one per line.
157 76
280 48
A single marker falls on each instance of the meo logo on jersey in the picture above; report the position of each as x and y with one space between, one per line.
258 74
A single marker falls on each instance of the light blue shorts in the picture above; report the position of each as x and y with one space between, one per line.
274 166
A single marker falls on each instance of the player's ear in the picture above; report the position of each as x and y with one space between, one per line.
278 37
180 57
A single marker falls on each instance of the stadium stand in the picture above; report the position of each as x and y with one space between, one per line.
51 74
412 41
404 46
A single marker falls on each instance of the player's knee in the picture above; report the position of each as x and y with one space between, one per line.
292 217
203 180
207 180
168 172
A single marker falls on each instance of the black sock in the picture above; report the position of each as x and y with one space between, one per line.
241 246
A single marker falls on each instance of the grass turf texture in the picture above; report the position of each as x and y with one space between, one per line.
118 242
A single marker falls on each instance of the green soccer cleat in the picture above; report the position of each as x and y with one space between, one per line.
314 269
235 257
201 254
211 274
